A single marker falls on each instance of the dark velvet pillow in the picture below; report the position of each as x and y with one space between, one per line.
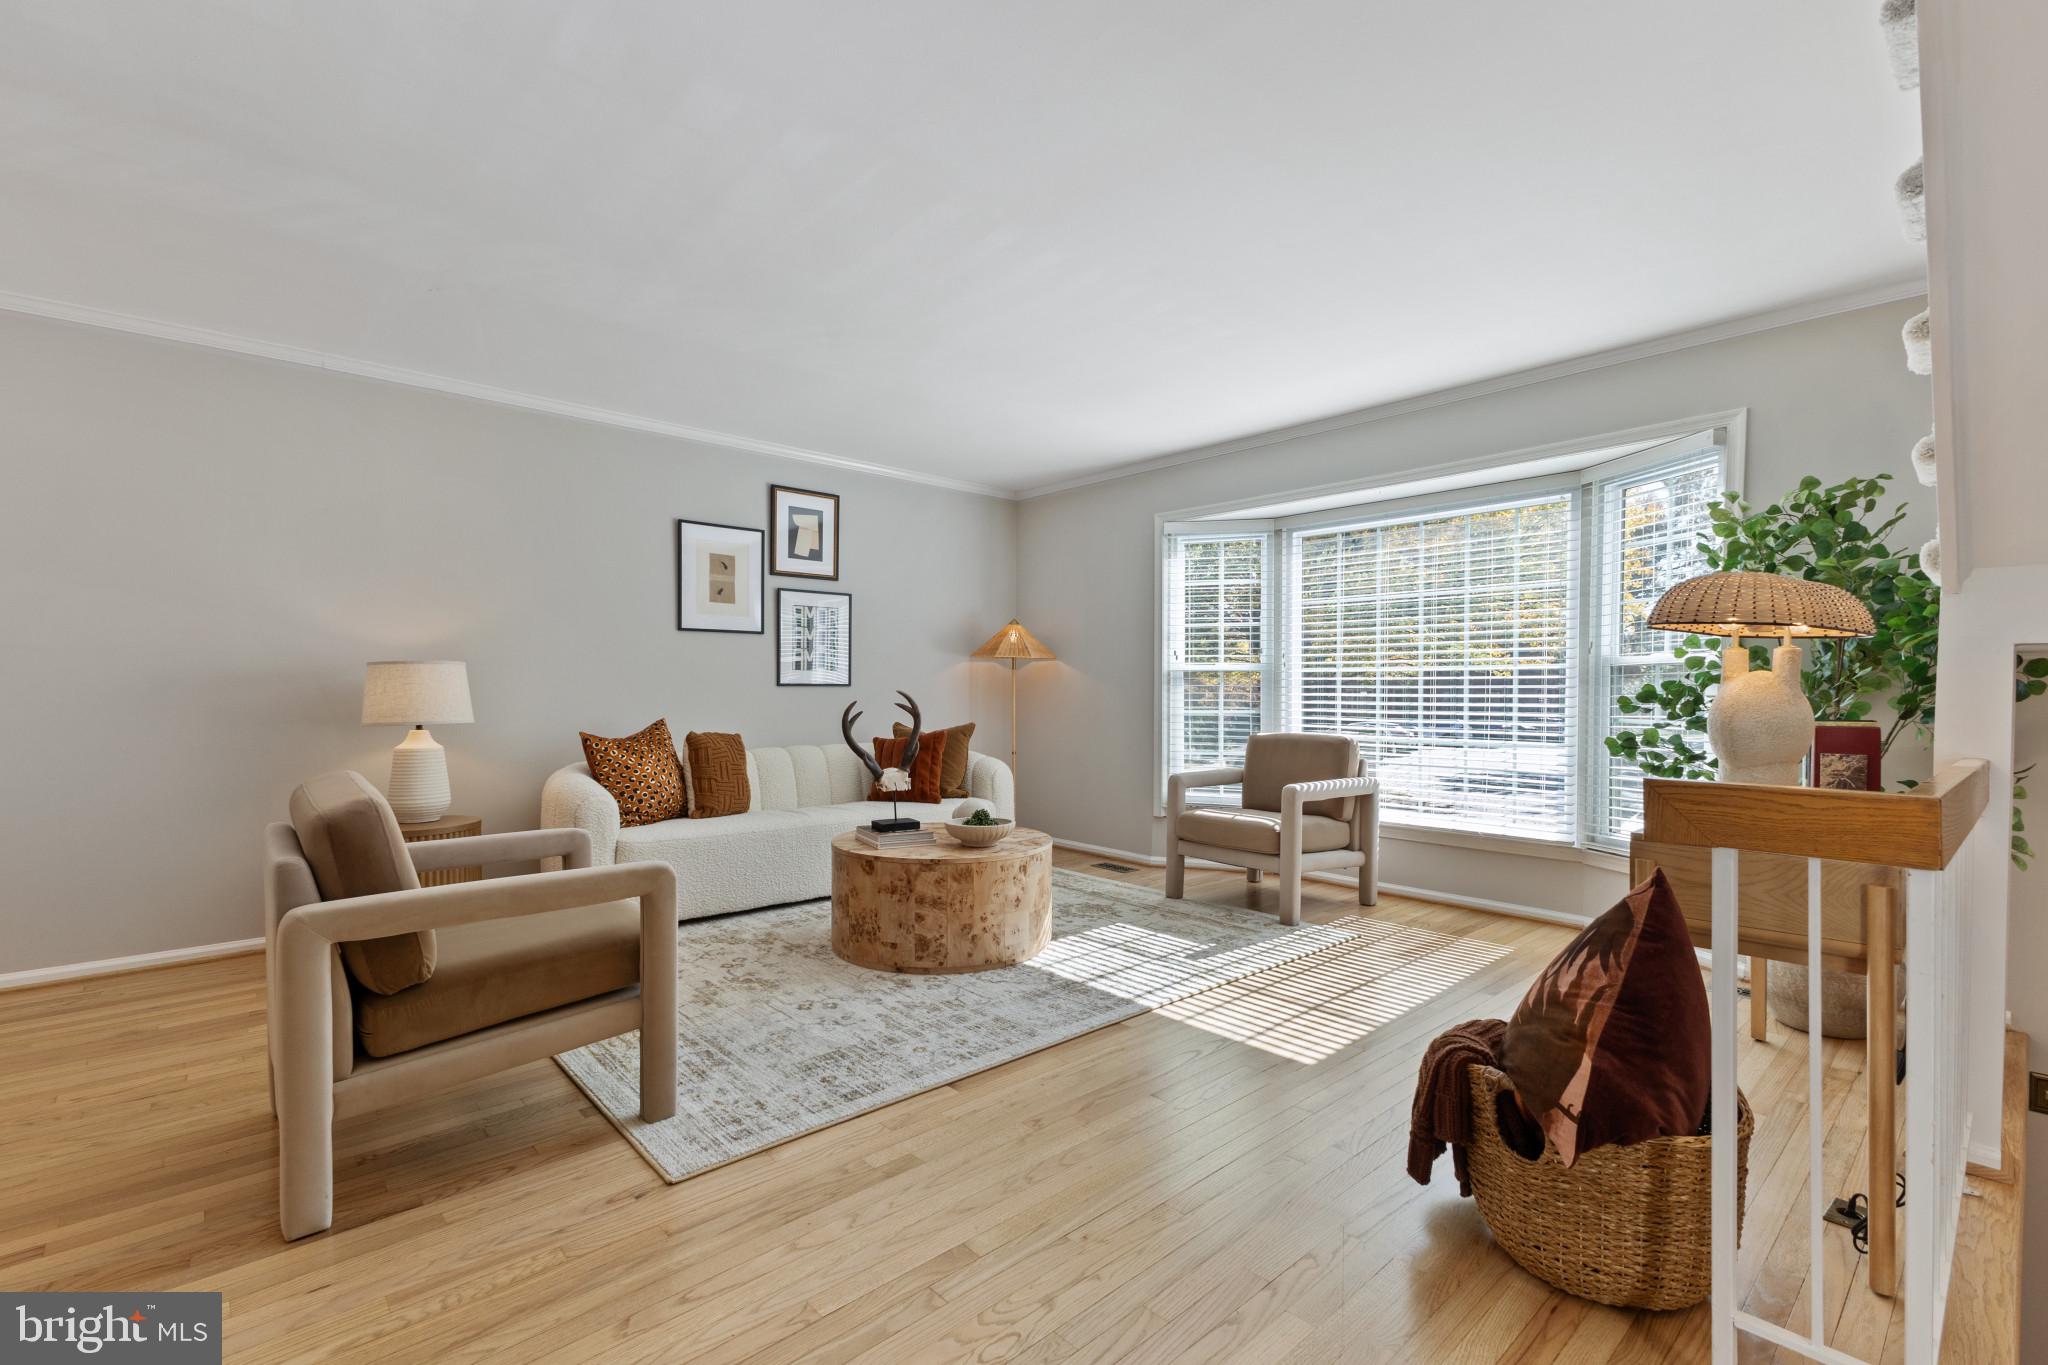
1611 1044
925 772
953 775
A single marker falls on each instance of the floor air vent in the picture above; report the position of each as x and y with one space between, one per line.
1114 867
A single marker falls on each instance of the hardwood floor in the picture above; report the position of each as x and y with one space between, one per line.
1219 1181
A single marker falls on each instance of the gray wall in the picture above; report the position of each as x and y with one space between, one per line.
1830 397
199 551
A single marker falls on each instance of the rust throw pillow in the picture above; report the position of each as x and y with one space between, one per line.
924 773
641 772
1611 1044
718 775
953 772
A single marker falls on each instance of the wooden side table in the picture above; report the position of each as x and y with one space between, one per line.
447 827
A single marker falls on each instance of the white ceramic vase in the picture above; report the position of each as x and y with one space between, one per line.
419 778
1761 724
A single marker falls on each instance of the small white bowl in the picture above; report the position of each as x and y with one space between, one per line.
980 836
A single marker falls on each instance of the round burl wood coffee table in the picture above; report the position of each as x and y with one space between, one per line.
942 907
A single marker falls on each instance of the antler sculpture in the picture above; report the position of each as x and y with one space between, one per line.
846 723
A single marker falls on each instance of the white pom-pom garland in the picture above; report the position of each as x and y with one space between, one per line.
1923 459
1901 24
1930 560
1918 334
1912 192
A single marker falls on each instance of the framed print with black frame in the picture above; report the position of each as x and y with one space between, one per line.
719 577
813 638
803 531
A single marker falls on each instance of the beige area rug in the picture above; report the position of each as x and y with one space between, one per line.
780 1038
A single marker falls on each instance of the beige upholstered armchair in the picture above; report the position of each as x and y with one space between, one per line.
383 991
1307 806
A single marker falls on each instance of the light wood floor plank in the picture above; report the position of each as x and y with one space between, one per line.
1219 1181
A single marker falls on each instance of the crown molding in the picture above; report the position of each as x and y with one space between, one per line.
85 316
1749 324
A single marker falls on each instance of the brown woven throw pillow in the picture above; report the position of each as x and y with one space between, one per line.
1612 1042
718 775
641 772
924 773
953 772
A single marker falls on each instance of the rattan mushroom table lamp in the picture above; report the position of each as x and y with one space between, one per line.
1017 645
1760 724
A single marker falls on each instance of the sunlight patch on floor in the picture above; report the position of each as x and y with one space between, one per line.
1151 968
1317 1005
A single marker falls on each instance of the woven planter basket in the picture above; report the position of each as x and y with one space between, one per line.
1628 1226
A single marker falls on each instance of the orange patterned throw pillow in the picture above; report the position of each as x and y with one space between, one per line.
641 772
925 773
718 775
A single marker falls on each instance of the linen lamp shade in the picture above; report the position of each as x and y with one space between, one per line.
418 693
1760 725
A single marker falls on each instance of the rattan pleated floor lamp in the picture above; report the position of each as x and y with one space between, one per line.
1017 645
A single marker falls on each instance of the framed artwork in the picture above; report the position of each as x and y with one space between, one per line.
803 530
718 577
813 638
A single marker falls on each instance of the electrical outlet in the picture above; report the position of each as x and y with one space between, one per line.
2037 1092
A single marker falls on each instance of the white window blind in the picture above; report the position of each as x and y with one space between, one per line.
1443 644
1649 522
1217 649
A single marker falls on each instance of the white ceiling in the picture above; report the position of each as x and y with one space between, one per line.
1009 242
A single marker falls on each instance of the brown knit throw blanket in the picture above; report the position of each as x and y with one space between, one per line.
1442 1113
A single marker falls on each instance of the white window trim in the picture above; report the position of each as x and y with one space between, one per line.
1162 709
1594 695
1452 482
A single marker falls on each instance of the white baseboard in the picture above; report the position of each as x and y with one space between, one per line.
112 966
1339 879
43 976
1509 908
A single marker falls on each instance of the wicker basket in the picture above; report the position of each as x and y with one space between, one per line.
1628 1226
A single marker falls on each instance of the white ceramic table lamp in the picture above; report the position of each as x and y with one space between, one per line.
1760 724
417 693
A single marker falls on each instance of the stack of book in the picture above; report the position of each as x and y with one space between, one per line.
896 838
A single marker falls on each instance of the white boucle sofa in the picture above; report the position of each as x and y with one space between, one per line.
779 850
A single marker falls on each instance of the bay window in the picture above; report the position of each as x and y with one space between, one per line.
1472 641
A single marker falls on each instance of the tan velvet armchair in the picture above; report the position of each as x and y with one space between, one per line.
383 991
1306 806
